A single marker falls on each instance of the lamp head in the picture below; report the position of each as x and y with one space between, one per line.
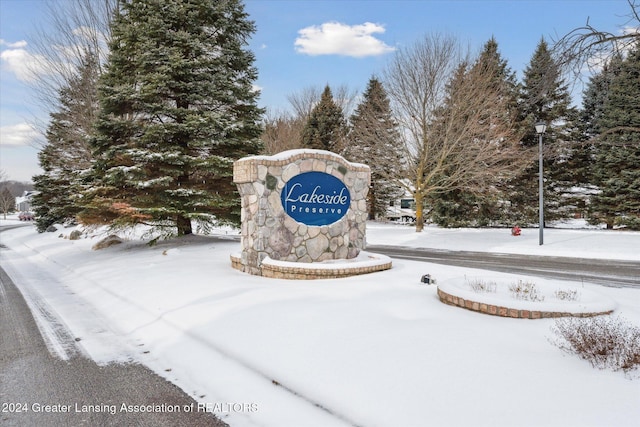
541 127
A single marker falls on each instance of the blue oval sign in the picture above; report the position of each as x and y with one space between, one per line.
315 198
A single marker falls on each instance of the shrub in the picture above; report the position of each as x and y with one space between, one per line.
525 291
479 286
604 341
567 295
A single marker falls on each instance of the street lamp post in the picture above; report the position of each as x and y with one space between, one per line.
541 128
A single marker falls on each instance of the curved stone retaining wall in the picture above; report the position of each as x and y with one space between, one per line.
292 270
497 310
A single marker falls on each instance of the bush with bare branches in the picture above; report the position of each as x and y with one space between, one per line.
606 342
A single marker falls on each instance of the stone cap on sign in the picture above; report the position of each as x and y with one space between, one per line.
246 169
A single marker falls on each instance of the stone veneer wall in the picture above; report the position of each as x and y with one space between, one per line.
268 231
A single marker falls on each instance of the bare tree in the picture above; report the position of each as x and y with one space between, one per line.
451 140
304 100
282 131
7 201
76 30
416 80
4 197
589 46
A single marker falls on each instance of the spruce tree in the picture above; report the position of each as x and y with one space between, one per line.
178 108
374 139
325 129
617 164
66 158
545 97
579 165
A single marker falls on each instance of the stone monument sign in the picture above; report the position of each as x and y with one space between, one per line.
300 206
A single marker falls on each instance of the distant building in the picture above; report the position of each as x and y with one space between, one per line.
403 210
23 203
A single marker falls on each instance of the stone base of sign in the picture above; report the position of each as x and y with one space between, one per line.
364 263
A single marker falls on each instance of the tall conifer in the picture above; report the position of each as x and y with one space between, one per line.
374 140
325 129
545 97
178 107
66 158
617 164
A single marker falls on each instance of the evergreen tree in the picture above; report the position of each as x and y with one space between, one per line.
595 97
374 140
66 157
461 207
177 109
545 97
579 166
325 129
617 164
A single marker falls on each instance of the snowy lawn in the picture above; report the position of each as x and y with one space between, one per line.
373 350
569 241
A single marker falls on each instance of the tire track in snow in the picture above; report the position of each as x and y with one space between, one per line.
59 345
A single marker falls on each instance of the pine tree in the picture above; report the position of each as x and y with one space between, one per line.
374 139
178 108
545 97
66 157
461 207
617 164
325 129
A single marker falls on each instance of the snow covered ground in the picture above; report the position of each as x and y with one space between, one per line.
374 350
571 239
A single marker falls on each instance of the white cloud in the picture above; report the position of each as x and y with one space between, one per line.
335 38
20 62
18 135
15 45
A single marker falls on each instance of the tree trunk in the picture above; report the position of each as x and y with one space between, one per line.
418 197
371 199
184 225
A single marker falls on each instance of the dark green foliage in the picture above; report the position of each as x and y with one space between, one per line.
459 208
545 97
178 108
325 128
616 170
374 140
66 157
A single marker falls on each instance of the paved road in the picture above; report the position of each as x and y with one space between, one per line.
604 272
614 273
34 384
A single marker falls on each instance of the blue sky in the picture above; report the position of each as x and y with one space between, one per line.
310 43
